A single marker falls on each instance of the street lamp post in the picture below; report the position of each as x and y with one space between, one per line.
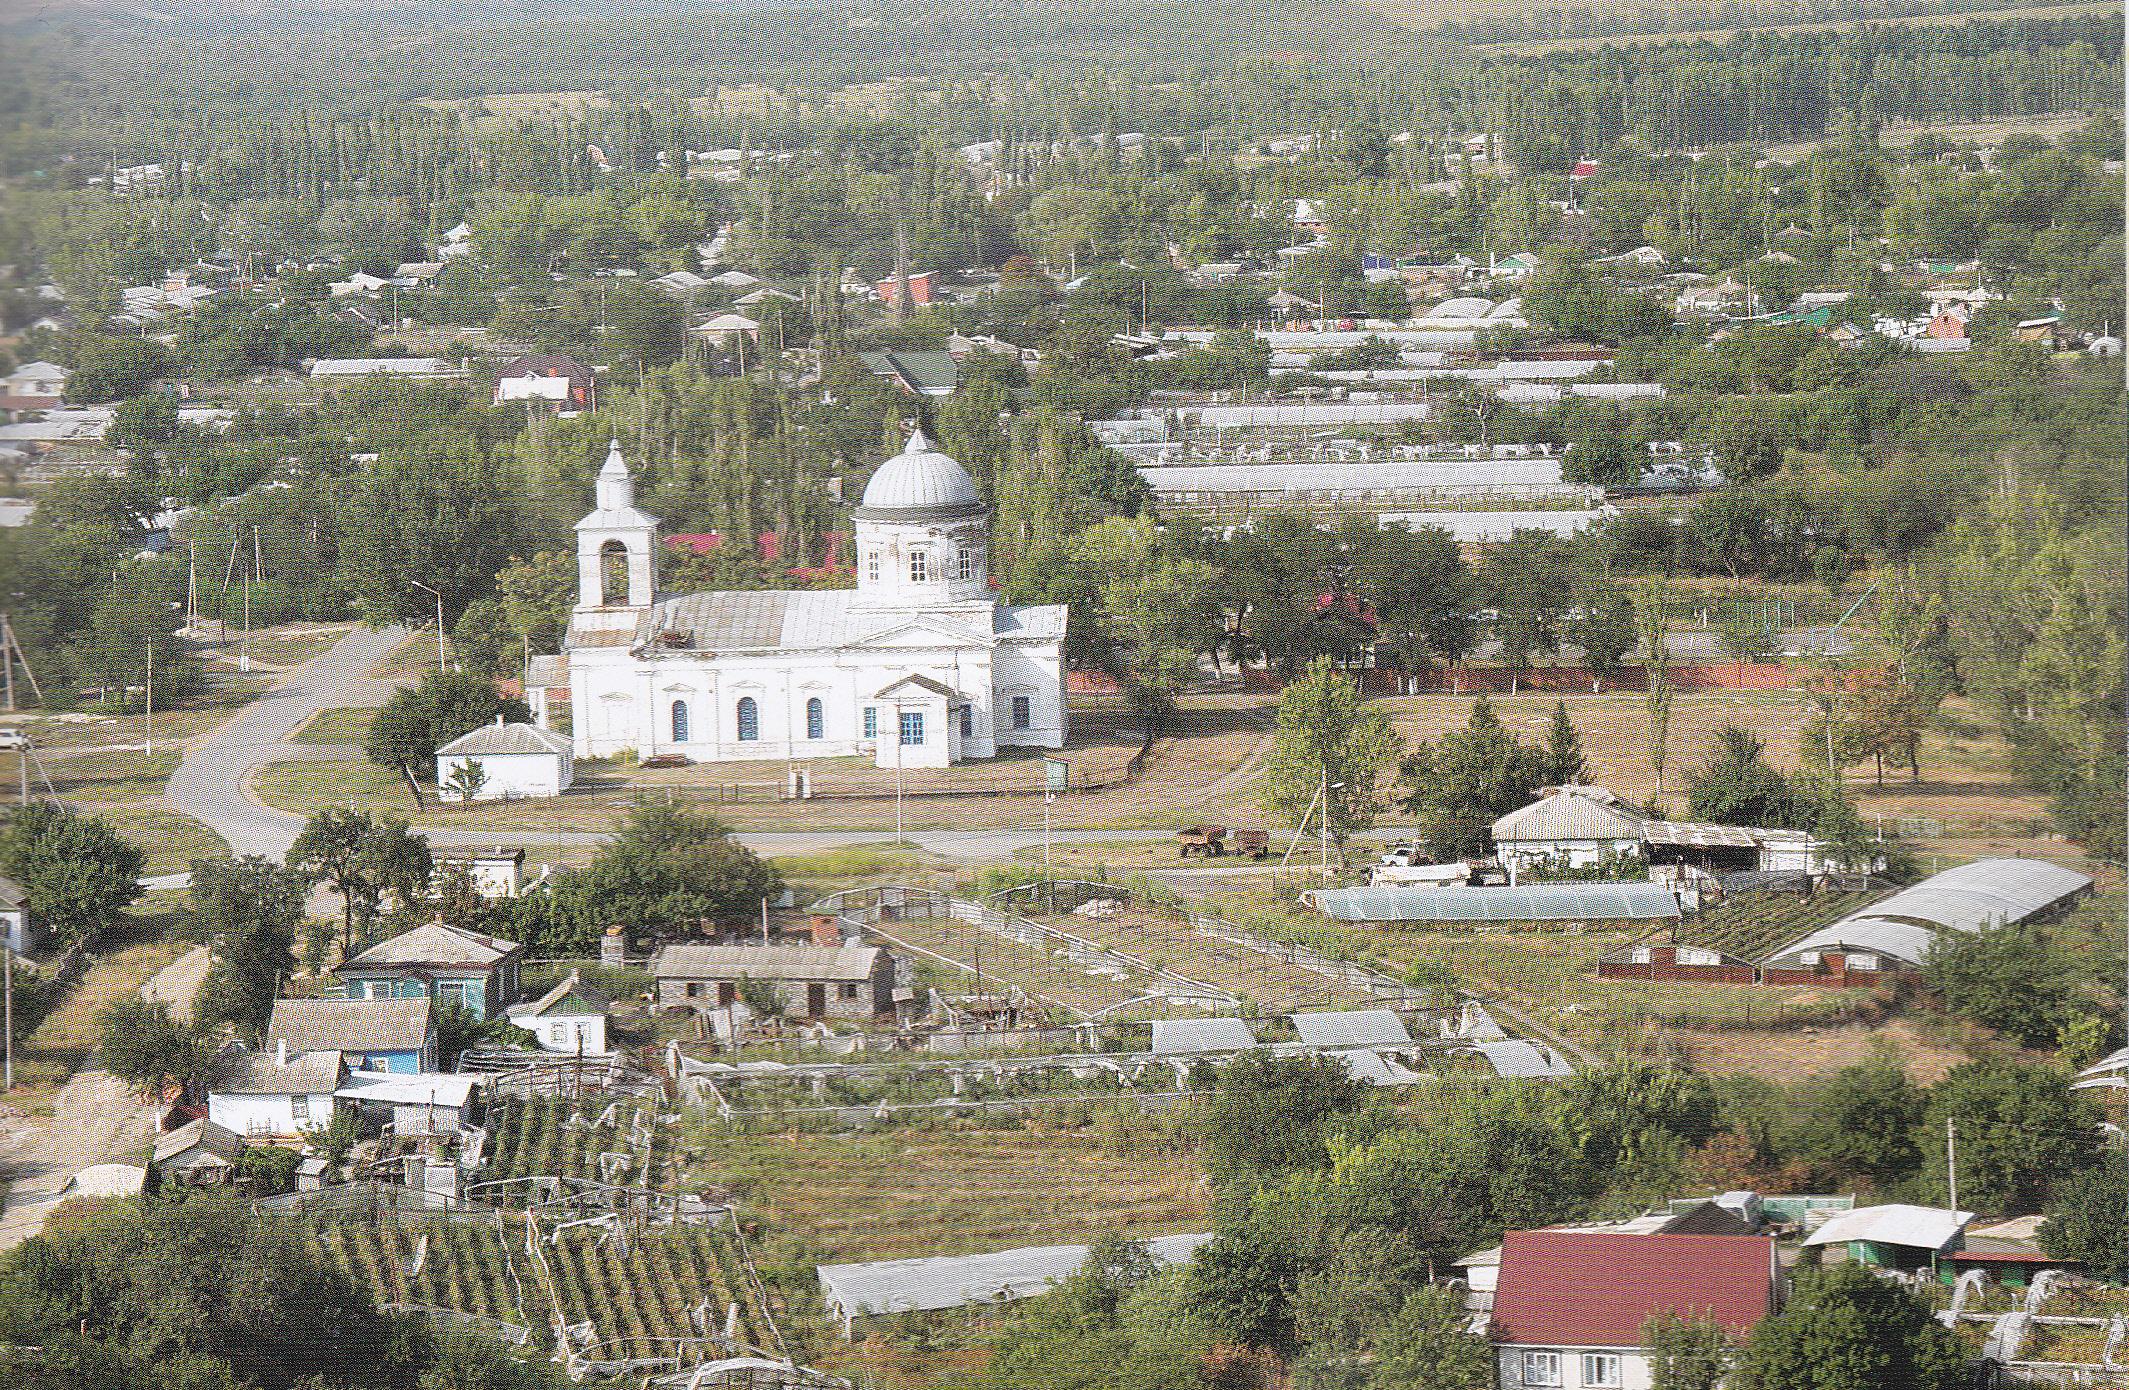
440 666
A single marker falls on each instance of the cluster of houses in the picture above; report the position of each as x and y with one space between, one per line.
1662 873
371 1043
1567 1307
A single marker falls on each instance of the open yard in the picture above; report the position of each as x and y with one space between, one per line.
950 1190
127 957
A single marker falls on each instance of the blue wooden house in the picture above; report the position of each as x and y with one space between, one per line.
437 962
395 1035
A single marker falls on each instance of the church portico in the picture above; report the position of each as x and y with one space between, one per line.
919 666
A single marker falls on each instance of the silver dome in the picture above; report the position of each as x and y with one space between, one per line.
920 484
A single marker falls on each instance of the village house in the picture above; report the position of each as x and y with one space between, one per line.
1569 1306
548 381
1578 827
852 982
34 386
570 1018
371 1034
277 1094
199 1153
496 873
17 931
439 962
505 762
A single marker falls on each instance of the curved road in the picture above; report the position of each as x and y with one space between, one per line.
208 784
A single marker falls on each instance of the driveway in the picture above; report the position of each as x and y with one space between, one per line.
96 1118
208 784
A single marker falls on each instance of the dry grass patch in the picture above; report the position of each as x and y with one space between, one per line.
846 1197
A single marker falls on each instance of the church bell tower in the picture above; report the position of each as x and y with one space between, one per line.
617 545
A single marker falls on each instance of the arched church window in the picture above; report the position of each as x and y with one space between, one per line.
680 729
749 719
965 563
816 719
919 567
613 574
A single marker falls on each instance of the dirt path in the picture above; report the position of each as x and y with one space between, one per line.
96 1118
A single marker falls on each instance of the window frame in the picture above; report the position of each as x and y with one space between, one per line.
746 719
905 721
681 722
1597 1379
816 718
1023 707
1534 1373
870 724
965 563
872 566
968 721
919 566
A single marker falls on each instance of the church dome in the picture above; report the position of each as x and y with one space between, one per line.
920 484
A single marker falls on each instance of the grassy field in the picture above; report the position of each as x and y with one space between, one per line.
128 956
347 724
845 1197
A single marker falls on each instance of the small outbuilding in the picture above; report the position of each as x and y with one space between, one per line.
199 1153
1895 1236
808 981
425 1104
16 928
505 762
570 1018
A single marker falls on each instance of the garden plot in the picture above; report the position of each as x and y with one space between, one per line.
463 1265
625 1142
673 1283
1276 982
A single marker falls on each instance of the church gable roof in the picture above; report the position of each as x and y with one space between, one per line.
803 620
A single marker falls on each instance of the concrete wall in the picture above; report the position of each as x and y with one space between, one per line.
269 1115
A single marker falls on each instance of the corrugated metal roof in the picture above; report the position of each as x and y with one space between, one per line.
954 1281
1537 902
349 1025
765 962
1178 1037
1920 1228
434 943
817 620
1573 813
1353 1028
240 1072
497 740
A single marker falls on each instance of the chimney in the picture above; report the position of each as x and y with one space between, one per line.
280 1052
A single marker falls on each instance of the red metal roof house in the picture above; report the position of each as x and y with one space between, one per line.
1569 1307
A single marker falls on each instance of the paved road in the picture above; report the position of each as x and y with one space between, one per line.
208 784
96 1118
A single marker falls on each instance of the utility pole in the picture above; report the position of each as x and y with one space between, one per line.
440 666
7 1007
148 737
1323 826
1951 1159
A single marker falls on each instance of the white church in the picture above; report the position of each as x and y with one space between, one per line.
918 666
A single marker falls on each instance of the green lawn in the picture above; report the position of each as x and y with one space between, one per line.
346 724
